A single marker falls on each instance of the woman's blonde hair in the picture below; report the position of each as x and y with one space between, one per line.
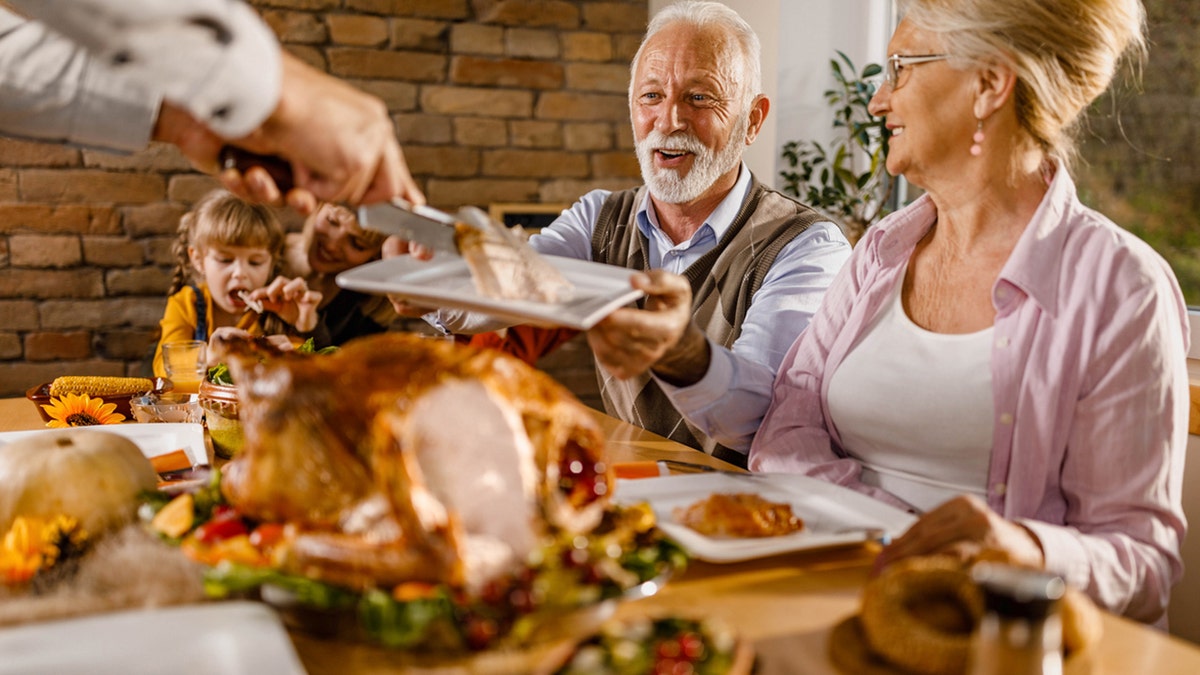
1065 53
219 217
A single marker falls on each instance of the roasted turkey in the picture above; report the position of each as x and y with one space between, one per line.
406 459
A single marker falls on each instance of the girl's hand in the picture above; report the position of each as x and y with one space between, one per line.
966 528
292 300
218 342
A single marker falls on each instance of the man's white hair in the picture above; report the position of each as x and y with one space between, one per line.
704 14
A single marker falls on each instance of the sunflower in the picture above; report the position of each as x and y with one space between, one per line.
81 410
35 544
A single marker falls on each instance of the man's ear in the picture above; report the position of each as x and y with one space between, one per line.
758 114
995 85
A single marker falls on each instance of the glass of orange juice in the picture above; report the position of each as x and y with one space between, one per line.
184 363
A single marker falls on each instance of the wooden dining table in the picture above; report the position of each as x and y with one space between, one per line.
784 606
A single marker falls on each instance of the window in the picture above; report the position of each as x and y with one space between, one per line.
1138 161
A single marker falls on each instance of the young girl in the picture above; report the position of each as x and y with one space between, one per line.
333 242
228 250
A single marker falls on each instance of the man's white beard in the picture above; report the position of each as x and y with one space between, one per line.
667 185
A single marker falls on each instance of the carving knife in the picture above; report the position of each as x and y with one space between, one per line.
424 225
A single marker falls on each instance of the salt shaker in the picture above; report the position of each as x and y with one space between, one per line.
1021 630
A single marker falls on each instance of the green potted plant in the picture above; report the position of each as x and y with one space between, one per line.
848 180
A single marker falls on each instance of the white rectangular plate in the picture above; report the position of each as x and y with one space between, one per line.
833 515
152 439
227 638
445 282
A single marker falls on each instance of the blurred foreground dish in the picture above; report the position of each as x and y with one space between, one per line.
414 481
67 498
661 645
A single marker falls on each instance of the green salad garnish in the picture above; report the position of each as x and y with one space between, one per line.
219 374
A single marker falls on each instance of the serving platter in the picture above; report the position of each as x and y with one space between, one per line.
227 638
444 282
833 515
542 628
152 439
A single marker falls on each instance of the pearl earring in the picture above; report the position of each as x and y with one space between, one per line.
977 148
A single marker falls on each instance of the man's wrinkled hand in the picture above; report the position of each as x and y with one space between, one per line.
630 341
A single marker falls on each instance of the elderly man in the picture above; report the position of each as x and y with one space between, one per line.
758 262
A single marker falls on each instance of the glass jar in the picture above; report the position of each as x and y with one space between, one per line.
1021 630
220 403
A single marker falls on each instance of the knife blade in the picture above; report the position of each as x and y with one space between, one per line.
424 225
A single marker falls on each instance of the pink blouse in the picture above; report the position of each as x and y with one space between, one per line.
1090 388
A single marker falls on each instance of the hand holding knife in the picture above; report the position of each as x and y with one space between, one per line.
400 218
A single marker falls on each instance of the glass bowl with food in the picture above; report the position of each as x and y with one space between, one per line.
219 399
170 408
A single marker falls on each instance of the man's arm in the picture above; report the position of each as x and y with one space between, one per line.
791 293
217 60
53 90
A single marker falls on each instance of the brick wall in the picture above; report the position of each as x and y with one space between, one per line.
493 100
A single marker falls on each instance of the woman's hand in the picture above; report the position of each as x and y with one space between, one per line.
292 300
966 528
630 341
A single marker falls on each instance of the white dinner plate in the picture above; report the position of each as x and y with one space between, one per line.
445 282
225 638
152 439
833 515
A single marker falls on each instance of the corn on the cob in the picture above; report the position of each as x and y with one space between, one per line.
94 385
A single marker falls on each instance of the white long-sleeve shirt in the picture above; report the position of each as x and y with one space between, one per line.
94 72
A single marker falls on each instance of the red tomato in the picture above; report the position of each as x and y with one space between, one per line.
220 528
668 649
692 646
266 536
480 632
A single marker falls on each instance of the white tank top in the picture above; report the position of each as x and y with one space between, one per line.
915 407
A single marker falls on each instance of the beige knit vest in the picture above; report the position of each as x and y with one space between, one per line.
723 283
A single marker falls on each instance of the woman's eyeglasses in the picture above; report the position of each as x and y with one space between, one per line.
897 62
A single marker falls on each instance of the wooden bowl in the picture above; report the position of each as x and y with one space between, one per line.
40 395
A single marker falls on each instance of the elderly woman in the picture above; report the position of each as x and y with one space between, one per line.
995 356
